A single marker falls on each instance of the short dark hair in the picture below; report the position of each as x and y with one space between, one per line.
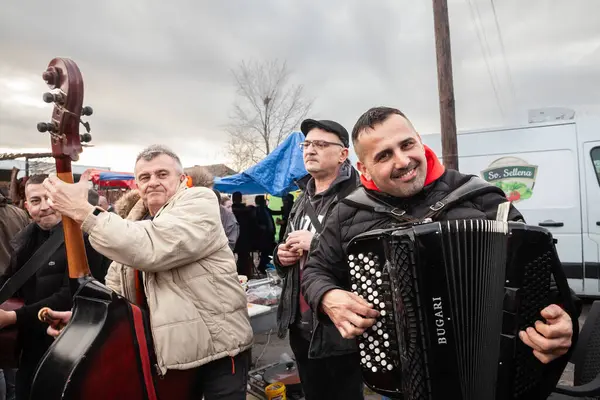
236 197
36 179
372 117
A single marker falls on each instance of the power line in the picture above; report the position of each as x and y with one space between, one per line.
508 71
485 58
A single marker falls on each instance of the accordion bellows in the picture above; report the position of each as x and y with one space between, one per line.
453 296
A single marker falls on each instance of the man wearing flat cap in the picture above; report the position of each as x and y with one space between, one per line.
328 364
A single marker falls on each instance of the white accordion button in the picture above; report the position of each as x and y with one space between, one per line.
377 351
368 357
363 278
370 290
354 286
362 353
376 342
375 293
377 358
379 282
371 263
378 274
363 361
386 336
372 270
374 369
386 344
390 367
383 362
382 357
371 347
370 297
369 365
376 301
351 257
368 282
360 256
380 332
361 345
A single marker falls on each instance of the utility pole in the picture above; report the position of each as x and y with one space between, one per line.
445 85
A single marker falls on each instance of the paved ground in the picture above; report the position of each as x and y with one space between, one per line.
268 350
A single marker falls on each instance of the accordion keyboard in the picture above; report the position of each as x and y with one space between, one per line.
378 347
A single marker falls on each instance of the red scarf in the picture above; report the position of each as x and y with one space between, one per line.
435 169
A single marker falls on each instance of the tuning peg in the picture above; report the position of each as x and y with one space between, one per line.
48 97
46 127
53 98
85 138
87 110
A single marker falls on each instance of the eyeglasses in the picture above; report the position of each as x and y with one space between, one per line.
319 144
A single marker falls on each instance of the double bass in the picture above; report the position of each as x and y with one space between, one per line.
105 351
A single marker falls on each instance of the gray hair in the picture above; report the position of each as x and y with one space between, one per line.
155 150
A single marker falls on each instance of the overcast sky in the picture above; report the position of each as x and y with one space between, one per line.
159 71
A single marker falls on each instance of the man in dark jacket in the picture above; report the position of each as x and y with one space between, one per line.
332 375
48 287
399 170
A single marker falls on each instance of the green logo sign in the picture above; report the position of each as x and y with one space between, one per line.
515 176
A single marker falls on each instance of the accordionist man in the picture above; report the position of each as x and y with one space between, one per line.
398 169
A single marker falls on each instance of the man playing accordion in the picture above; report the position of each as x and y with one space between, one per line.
397 169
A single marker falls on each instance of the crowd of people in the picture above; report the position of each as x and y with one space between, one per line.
177 251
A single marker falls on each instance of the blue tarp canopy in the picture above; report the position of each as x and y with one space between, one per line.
274 175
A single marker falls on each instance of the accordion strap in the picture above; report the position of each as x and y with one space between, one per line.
473 187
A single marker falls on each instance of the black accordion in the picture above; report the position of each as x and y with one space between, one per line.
452 298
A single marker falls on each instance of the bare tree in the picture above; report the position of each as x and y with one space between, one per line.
268 108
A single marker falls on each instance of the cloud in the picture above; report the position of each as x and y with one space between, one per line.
160 72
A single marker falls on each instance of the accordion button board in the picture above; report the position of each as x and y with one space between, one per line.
371 282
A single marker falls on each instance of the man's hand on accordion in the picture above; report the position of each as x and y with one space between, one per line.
351 314
552 339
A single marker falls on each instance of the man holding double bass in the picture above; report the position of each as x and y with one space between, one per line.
172 258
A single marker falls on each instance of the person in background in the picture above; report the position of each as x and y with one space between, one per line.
248 228
288 203
230 224
103 204
327 363
48 287
265 236
226 202
12 220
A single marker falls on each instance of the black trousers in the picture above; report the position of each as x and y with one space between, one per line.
223 379
330 378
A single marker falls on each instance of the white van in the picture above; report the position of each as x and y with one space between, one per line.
551 171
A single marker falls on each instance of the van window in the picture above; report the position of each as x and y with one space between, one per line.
595 153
